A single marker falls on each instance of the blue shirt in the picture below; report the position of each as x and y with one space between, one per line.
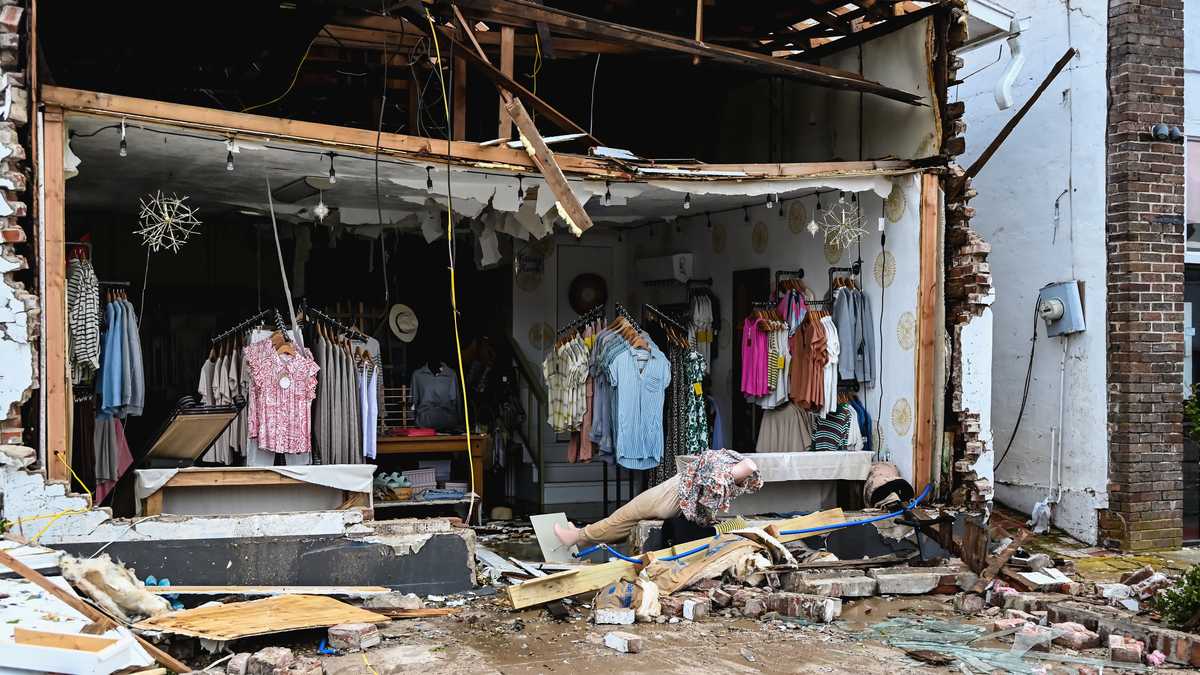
111 367
640 378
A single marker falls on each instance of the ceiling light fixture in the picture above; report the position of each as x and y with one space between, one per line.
229 147
332 173
320 210
124 151
687 201
520 188
428 178
607 193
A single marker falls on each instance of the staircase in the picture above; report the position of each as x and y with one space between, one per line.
549 483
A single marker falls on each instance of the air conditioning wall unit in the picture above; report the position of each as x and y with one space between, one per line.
678 267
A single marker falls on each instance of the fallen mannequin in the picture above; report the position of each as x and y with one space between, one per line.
700 492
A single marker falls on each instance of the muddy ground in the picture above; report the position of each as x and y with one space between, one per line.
485 638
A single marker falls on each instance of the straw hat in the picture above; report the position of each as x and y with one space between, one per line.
403 322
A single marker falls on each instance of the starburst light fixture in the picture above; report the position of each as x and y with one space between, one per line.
843 224
166 222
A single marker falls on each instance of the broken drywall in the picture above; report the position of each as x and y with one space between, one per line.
18 312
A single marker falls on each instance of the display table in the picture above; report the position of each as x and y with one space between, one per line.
240 490
439 444
798 481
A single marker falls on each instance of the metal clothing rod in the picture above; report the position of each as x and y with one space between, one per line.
309 310
243 325
659 315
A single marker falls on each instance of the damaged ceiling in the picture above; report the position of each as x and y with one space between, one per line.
192 163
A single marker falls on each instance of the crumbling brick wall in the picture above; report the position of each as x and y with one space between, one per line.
18 307
968 283
1145 245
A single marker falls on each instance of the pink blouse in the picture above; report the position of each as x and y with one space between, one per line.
284 388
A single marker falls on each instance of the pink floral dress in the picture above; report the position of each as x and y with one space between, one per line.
284 388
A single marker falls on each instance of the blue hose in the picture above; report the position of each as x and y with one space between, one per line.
821 528
874 519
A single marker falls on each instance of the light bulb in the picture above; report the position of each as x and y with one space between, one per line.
332 173
320 210
841 197
520 188
770 202
607 193
229 160
881 221
687 201
813 228
428 178
124 151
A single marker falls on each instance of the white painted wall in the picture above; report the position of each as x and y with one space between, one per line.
16 351
1058 147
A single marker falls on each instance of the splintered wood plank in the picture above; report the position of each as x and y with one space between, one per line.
260 617
72 641
54 303
594 577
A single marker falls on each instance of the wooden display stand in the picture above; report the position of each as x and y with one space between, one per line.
439 444
229 477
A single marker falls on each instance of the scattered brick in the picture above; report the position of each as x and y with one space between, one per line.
1125 650
354 636
270 661
617 616
626 643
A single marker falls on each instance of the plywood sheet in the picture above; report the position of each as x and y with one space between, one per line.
260 617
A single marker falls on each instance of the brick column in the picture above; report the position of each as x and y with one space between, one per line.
1145 244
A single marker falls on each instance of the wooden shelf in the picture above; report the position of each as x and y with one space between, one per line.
418 502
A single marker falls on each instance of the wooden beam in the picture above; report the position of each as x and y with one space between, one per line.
89 612
370 32
880 9
992 147
474 53
361 140
594 577
867 34
54 304
699 28
928 295
507 43
545 38
458 98
599 29
568 204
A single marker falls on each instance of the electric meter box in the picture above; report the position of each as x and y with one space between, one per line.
1061 306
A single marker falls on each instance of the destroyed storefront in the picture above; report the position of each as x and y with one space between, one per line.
380 329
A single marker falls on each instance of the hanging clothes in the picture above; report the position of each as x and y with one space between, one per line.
785 429
852 316
640 378
436 398
284 387
829 369
701 327
83 320
864 423
673 419
832 432
809 357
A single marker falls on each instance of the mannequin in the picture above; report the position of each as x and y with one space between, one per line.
660 502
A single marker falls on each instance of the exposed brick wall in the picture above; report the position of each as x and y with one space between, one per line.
968 280
1145 244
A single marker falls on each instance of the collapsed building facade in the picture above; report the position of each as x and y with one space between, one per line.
324 157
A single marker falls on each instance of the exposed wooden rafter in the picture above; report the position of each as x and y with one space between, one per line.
867 34
607 30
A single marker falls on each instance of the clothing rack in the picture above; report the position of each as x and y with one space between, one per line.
763 304
662 317
308 310
243 325
788 274
855 268
114 284
592 314
624 313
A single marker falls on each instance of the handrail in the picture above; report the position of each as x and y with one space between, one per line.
532 377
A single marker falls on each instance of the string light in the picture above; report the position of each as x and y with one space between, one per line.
428 178
607 193
841 197
813 228
229 146
124 151
332 173
520 188
687 201
772 199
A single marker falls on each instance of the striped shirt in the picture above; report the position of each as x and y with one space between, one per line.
83 319
830 433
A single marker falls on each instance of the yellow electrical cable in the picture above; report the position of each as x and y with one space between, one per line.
462 381
53 517
367 663
91 499
295 76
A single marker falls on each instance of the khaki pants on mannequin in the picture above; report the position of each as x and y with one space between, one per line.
658 503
